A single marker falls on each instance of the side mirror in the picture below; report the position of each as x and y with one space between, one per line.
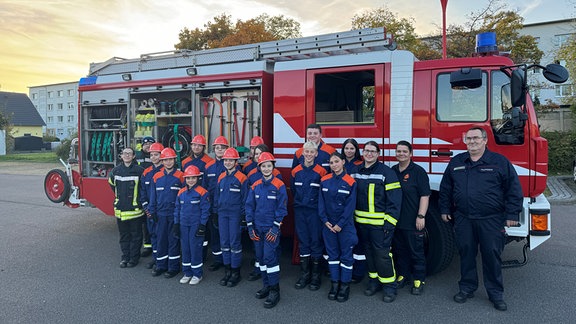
555 73
518 88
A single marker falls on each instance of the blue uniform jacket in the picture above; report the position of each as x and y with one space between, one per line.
255 175
266 202
192 206
146 184
163 196
230 197
305 185
486 188
337 199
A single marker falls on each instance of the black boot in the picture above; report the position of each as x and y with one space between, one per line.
263 293
343 292
333 290
234 277
273 297
316 275
227 274
304 279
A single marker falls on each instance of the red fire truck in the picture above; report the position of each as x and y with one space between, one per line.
355 84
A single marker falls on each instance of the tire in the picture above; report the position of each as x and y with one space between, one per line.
439 241
57 186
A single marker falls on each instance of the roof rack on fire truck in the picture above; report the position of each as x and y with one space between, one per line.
354 41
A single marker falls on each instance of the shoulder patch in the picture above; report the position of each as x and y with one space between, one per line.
320 170
256 184
349 180
277 183
327 177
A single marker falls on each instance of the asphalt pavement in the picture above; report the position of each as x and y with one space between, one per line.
61 265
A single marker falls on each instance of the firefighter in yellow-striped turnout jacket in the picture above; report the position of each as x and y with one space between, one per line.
378 202
124 181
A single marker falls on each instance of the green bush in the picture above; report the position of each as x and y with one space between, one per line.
561 151
50 138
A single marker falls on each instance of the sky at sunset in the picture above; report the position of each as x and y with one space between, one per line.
54 41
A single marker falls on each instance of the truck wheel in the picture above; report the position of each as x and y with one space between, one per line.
439 242
57 186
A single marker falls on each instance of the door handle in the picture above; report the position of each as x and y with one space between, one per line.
442 153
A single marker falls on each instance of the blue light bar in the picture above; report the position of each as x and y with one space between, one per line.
486 42
87 81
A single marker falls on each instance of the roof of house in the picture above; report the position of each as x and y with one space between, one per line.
18 108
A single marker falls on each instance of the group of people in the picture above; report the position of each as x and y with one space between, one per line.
351 212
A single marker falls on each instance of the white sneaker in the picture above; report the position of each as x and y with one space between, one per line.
195 280
185 279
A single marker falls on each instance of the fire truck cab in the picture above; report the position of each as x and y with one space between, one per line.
355 84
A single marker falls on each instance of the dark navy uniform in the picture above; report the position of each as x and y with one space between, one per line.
481 196
210 179
408 243
146 187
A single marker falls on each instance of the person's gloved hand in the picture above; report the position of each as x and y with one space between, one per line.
176 230
273 233
201 230
154 217
252 233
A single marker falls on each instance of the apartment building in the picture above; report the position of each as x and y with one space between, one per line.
57 104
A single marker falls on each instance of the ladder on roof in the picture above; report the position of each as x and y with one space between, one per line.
354 41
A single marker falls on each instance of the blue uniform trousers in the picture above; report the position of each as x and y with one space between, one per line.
489 234
168 255
309 230
230 238
340 256
191 251
408 246
214 238
268 255
153 240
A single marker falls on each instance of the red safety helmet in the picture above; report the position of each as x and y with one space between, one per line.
192 171
256 140
265 157
156 147
167 153
220 140
231 154
199 139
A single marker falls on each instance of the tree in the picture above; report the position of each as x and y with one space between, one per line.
567 56
402 30
222 32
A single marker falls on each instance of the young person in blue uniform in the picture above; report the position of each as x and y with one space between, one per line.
191 212
305 188
265 210
167 183
336 208
230 200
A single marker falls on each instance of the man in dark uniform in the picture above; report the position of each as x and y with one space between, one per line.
481 192
143 159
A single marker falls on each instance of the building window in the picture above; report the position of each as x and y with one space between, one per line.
60 93
60 119
70 105
50 94
50 107
34 96
50 119
70 92
564 90
60 106
560 40
70 118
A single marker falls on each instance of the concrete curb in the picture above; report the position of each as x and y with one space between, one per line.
559 189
